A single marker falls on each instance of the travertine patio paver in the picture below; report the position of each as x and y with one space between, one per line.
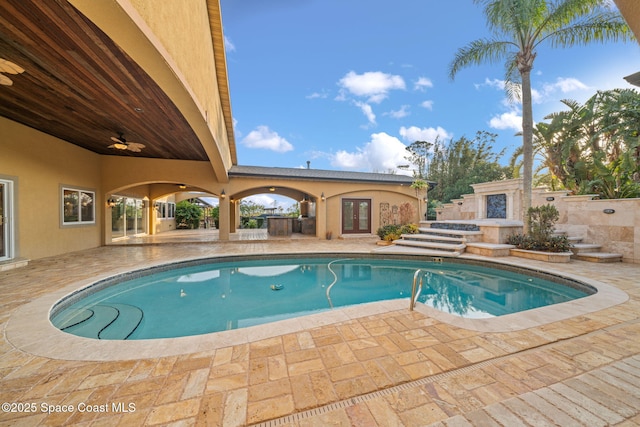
583 369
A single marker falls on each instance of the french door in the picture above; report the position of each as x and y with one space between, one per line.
356 216
6 220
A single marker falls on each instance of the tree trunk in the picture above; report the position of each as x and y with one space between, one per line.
527 145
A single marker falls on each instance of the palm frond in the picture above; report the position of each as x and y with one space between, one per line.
607 27
478 52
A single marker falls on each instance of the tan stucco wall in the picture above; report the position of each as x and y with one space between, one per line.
630 9
191 51
378 196
42 164
187 77
329 212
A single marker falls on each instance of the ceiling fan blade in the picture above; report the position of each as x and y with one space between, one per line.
5 81
135 147
10 67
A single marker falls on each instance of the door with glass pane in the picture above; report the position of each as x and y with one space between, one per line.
356 216
6 208
128 217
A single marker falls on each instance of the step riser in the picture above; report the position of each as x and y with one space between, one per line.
430 246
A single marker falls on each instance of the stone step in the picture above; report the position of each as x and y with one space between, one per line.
489 249
431 245
462 226
580 248
445 232
414 250
433 238
598 257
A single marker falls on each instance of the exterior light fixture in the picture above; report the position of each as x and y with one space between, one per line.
609 211
272 189
111 202
322 197
223 194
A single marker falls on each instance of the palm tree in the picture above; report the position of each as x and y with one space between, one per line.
519 28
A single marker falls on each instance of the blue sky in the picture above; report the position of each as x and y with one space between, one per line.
348 84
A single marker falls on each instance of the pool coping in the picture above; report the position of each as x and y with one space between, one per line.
30 330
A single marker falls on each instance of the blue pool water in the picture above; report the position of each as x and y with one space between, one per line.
218 296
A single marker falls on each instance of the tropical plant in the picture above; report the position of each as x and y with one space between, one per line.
189 214
393 232
593 147
419 184
249 208
541 221
389 232
519 28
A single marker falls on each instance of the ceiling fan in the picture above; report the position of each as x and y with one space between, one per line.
8 67
123 144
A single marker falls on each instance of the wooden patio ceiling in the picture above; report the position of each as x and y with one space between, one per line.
79 86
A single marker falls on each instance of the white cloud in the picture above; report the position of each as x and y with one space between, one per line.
414 133
422 84
564 85
383 153
228 45
536 96
494 83
367 111
373 85
264 138
398 114
427 104
509 120
317 95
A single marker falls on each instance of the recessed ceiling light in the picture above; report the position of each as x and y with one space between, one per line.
138 110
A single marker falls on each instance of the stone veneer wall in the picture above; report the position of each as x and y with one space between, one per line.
580 216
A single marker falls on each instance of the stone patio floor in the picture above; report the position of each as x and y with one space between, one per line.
395 368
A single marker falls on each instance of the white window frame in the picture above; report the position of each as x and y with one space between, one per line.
79 192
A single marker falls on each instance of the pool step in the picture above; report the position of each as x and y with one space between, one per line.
106 322
123 325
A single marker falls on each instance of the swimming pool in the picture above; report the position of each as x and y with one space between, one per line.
206 296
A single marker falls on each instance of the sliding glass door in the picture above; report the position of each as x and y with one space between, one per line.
128 217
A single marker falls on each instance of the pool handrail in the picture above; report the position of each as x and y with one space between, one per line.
415 290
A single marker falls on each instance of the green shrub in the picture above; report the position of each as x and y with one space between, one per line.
388 229
189 214
409 229
541 220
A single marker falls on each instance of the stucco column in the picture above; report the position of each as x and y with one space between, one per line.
321 218
236 216
225 219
